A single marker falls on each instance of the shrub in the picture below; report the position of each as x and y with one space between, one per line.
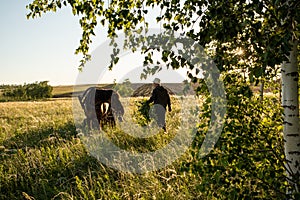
142 113
248 160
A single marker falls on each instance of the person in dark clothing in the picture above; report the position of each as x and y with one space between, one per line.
161 99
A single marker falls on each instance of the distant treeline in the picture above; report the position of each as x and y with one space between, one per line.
31 91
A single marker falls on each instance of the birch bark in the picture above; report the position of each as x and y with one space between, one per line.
291 128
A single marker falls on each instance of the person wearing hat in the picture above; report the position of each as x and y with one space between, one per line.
161 99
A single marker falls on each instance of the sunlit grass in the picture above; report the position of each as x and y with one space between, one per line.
19 118
42 158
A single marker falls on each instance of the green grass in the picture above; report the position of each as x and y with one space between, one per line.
41 157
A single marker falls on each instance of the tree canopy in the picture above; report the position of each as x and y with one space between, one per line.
251 35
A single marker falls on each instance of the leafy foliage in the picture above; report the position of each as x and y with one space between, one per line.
248 160
142 115
261 29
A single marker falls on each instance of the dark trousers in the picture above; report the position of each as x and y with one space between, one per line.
159 115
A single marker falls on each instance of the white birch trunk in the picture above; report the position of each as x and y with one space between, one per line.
291 129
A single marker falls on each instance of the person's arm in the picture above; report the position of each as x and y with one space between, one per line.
169 103
150 100
153 96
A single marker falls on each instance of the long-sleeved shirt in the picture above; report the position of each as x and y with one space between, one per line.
160 96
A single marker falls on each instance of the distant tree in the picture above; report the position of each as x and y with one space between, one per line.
32 91
15 92
38 90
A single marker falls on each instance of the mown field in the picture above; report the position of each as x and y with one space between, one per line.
42 157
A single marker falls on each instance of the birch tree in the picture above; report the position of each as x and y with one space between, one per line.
291 129
290 96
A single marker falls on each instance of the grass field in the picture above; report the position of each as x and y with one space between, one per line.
42 157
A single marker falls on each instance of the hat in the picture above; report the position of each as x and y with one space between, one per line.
156 80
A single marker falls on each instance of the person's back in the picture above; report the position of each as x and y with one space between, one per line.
161 96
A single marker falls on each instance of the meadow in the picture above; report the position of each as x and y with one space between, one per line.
42 157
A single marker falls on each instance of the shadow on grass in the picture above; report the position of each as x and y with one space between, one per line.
141 145
57 172
58 182
41 137
73 173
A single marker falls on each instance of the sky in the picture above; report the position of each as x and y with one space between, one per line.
38 49
43 49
